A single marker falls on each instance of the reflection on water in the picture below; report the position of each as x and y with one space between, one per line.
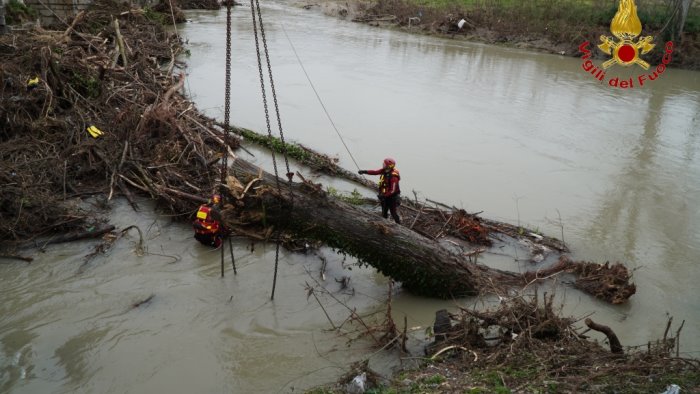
71 327
525 137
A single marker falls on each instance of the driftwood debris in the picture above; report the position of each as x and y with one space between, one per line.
415 258
615 345
143 301
528 334
157 144
606 282
153 143
16 257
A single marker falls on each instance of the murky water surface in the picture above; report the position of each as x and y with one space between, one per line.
525 137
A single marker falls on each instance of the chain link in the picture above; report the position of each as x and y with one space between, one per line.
264 95
227 101
255 4
274 94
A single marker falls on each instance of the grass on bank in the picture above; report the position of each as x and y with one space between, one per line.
17 12
559 18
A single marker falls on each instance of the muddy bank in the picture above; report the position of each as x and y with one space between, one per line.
555 29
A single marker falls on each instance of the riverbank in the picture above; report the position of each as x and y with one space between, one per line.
558 27
524 345
426 380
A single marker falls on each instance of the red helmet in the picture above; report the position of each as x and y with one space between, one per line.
389 162
215 198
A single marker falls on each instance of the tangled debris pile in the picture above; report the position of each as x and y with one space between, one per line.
524 345
435 223
607 282
95 109
110 71
535 349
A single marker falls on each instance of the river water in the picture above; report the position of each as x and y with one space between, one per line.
526 138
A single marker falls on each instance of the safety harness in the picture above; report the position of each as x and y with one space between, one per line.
205 224
385 181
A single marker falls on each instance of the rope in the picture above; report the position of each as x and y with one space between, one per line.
319 99
172 15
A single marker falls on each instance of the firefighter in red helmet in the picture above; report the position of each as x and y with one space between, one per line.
389 191
208 228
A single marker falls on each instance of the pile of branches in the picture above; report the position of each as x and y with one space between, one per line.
200 4
113 69
607 282
435 223
533 348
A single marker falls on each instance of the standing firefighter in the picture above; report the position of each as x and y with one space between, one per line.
208 228
389 191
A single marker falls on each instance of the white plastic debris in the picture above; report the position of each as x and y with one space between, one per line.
461 23
536 236
357 384
672 389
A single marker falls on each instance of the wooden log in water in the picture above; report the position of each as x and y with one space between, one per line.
421 264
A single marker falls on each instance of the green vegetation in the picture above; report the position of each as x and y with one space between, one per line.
275 144
87 86
16 12
653 13
434 380
353 198
155 16
492 380
559 26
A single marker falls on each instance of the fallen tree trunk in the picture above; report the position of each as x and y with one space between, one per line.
421 264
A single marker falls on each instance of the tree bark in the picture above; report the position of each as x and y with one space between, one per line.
684 6
679 15
421 264
615 345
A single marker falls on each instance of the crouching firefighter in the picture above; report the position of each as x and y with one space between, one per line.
389 190
208 228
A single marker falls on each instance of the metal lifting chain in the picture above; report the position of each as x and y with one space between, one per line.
227 117
274 94
267 121
272 88
264 95
227 98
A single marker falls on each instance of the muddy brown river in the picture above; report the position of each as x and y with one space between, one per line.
527 138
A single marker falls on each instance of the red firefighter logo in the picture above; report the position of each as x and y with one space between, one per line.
626 27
